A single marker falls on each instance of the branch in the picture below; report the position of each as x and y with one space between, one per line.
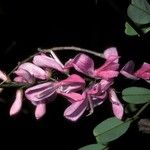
71 48
140 111
23 85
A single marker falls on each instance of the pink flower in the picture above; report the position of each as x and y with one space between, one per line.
48 91
85 65
109 69
116 105
3 77
41 94
76 109
93 96
27 70
82 63
72 84
111 54
47 62
143 72
17 104
40 110
23 76
128 70
90 98
26 73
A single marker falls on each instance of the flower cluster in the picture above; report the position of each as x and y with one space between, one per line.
80 93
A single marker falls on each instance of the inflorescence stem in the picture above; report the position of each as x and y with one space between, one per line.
71 48
5 84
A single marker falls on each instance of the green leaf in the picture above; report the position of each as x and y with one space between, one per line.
110 129
136 95
94 147
146 30
139 11
129 30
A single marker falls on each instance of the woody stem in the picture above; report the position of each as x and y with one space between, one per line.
71 48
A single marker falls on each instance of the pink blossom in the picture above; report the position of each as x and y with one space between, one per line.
26 73
143 72
84 64
23 76
128 70
40 110
75 110
47 62
71 84
116 105
93 96
42 92
111 54
90 98
109 69
33 70
17 104
3 77
47 91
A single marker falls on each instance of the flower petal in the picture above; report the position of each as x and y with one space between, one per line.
81 63
108 70
75 110
143 72
16 106
106 75
34 70
24 75
116 105
40 110
111 53
73 79
98 100
20 79
96 94
72 84
72 97
128 70
105 84
47 62
56 59
94 89
41 92
3 76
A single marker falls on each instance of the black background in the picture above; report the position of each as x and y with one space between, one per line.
27 25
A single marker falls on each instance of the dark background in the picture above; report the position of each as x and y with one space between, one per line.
28 25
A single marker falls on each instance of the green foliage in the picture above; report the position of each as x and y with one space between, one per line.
129 30
110 129
139 12
136 95
94 147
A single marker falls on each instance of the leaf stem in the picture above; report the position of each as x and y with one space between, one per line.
140 111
